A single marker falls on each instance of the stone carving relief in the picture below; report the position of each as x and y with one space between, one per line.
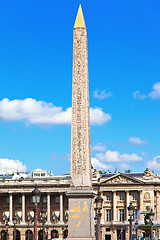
148 174
120 179
95 174
147 197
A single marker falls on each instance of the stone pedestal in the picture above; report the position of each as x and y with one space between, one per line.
81 214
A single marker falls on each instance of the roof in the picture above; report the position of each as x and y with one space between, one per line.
138 175
39 170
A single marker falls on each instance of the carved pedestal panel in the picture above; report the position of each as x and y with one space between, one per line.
81 215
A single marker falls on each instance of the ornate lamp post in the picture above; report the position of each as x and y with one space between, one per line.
130 213
99 202
36 194
151 216
121 233
47 227
14 222
44 219
7 226
136 226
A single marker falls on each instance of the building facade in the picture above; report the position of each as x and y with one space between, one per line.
117 191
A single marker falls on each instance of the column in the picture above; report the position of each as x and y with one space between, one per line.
23 208
23 235
61 207
48 207
114 234
141 206
10 208
127 204
114 206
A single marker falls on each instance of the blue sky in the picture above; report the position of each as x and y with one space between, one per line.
36 83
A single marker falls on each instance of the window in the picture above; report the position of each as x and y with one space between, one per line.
107 229
121 215
44 199
20 199
121 196
108 196
57 199
42 174
7 200
107 237
134 195
108 215
37 174
134 214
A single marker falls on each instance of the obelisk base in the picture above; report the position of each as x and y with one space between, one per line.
81 214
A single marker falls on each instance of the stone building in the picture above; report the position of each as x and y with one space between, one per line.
117 191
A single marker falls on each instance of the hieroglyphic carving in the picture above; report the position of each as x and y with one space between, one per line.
80 139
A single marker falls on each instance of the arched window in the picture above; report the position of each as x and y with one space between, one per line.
54 234
18 235
29 235
3 235
65 234
40 235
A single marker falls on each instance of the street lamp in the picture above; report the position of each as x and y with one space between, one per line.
99 202
151 216
14 222
47 227
121 233
7 226
62 232
36 195
44 219
130 213
136 226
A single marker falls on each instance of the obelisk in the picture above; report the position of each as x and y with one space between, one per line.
80 194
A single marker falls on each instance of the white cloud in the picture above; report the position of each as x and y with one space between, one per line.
138 95
101 166
155 94
137 140
101 94
98 117
10 165
154 164
40 112
111 159
99 147
115 156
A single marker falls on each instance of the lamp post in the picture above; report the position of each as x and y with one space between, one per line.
130 213
14 222
151 216
7 226
121 233
47 227
44 219
36 194
136 226
99 202
62 232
